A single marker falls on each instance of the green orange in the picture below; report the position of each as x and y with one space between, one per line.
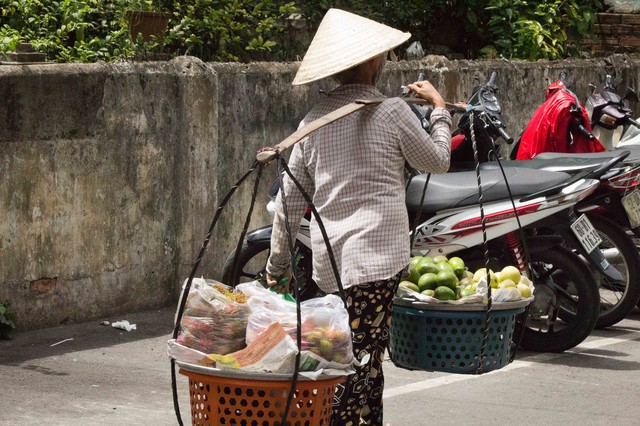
428 281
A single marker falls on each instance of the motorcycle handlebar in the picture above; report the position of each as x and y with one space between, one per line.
634 123
505 135
585 132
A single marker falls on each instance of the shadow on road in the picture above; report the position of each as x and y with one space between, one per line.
35 344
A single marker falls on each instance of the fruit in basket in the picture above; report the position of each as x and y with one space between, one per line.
231 293
440 258
483 273
425 265
326 348
409 285
330 343
458 267
467 291
429 293
414 261
506 283
465 282
414 275
444 266
447 279
428 281
525 290
510 273
444 293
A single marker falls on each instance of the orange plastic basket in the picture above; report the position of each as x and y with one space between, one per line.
219 400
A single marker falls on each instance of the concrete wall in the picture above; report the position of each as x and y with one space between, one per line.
111 173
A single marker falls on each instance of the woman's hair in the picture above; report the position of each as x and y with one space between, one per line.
347 76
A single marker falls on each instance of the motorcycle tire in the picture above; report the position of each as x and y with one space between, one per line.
565 306
251 266
617 300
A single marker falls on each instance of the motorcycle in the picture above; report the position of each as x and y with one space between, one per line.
620 285
617 198
487 128
609 115
560 124
565 306
614 209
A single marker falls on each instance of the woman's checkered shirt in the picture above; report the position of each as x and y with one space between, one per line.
354 170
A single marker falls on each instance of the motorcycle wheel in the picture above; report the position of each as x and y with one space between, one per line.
617 299
251 266
565 306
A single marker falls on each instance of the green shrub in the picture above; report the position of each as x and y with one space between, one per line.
67 30
237 30
539 30
93 30
514 29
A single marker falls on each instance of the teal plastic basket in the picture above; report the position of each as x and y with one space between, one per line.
450 341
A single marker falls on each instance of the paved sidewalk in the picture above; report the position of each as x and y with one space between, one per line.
106 376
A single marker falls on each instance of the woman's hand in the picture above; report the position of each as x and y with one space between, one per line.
426 91
279 284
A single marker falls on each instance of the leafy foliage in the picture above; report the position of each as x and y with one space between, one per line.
514 29
237 30
96 30
534 30
67 30
245 30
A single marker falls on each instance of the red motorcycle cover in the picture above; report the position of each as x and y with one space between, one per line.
553 129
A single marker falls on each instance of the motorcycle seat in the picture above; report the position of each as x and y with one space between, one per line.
559 164
460 189
633 157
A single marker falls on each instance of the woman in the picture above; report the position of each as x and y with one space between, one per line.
354 169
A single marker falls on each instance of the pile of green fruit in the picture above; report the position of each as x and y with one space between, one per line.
439 277
449 279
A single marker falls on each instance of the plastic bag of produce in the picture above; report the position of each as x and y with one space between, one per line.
215 318
325 329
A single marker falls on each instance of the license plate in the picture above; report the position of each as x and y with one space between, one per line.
586 233
631 204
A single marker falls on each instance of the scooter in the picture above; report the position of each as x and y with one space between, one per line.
560 124
609 115
488 127
619 290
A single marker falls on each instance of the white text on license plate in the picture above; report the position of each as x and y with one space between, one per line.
586 233
631 204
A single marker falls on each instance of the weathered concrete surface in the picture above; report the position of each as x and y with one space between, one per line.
111 173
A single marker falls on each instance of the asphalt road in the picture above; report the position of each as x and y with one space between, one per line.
106 376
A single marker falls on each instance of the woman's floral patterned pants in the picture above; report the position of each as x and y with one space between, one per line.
369 307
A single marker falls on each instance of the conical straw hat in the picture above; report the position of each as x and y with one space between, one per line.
344 40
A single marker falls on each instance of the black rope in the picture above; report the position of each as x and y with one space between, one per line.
525 249
294 282
416 220
187 287
485 245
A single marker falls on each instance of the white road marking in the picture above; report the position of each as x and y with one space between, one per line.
530 360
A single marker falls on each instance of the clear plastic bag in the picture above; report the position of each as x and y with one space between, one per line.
325 328
215 318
